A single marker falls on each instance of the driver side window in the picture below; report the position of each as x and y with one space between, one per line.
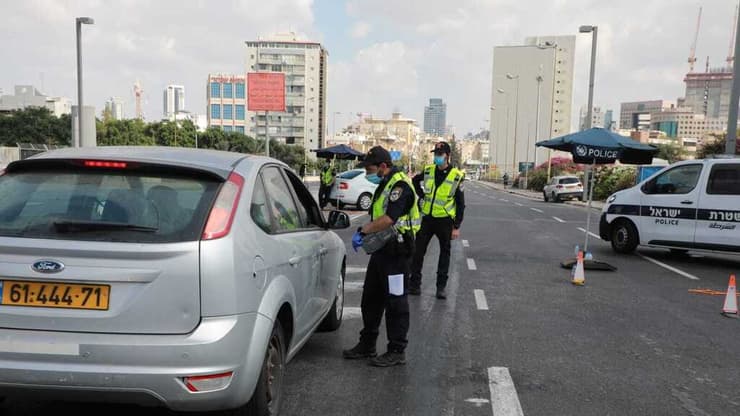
676 181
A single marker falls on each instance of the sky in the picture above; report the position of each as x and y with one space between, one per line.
384 55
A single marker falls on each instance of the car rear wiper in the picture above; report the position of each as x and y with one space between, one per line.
66 226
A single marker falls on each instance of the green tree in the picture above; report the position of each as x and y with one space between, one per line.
123 133
34 125
672 152
715 145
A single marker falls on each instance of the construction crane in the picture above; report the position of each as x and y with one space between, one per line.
692 54
731 53
138 92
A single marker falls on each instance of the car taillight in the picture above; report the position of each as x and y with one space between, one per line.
223 211
559 186
212 382
105 164
343 185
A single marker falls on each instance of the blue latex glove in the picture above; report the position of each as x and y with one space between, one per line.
357 240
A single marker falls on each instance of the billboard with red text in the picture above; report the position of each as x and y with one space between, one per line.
266 91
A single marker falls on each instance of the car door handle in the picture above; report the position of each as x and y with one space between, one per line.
687 202
294 260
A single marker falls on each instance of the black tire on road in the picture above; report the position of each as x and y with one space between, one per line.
555 198
268 394
364 201
544 196
624 236
333 320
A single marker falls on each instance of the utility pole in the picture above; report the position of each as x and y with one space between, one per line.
731 145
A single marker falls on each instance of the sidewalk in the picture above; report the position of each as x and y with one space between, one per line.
597 205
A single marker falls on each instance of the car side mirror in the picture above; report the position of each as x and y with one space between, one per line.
338 220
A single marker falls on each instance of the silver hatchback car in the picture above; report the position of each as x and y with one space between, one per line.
161 276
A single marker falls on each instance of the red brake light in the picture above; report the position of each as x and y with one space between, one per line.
559 186
210 382
105 164
343 185
223 210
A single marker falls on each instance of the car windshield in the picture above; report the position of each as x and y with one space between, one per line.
569 181
103 206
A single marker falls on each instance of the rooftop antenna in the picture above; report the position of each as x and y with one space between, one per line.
692 53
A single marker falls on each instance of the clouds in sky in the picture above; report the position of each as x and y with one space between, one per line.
385 55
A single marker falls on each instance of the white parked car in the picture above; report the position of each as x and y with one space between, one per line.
353 188
691 205
563 187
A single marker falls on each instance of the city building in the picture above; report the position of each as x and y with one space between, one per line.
114 107
708 93
435 117
537 73
598 118
28 96
637 115
609 122
305 67
227 102
683 123
173 101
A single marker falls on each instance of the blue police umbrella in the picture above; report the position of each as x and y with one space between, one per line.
599 146
340 151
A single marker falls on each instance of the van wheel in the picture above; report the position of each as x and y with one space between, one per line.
624 237
364 201
268 394
334 319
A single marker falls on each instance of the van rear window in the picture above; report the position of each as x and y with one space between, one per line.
100 205
569 181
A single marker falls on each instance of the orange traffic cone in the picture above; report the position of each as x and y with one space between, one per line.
730 307
579 277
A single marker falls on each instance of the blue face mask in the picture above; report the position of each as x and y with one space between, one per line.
374 178
439 160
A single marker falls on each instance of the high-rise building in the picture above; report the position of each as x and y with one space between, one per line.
28 96
305 67
227 102
637 115
435 117
597 118
538 72
174 101
609 120
708 93
114 107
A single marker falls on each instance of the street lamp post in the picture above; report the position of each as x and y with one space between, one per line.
537 117
589 115
506 128
79 22
516 118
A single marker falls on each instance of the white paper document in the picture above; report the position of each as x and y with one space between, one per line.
395 284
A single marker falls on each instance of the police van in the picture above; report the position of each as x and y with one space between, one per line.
690 205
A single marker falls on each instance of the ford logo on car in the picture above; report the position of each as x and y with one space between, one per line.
48 266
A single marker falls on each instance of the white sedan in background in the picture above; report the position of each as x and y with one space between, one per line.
353 188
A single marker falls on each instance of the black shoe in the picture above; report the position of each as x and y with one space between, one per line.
359 351
414 290
441 293
389 359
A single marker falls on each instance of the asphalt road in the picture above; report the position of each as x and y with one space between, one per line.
515 337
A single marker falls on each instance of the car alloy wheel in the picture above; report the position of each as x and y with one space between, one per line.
275 369
364 202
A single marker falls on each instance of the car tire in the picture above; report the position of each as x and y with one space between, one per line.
624 237
333 319
555 197
364 201
544 196
267 395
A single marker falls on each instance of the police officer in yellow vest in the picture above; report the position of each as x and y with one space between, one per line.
384 290
327 177
440 187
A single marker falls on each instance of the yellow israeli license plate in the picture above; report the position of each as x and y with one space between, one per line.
54 295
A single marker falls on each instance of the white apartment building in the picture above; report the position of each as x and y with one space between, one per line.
114 106
539 72
173 101
305 67
28 96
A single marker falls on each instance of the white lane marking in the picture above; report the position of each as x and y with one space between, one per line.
557 219
518 204
478 402
351 312
667 267
480 300
356 270
589 232
353 286
47 348
471 264
505 200
537 210
356 216
504 400
466 243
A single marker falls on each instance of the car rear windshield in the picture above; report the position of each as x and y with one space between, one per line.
100 205
569 181
351 174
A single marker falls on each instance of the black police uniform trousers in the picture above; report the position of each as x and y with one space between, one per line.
376 300
324 192
442 228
